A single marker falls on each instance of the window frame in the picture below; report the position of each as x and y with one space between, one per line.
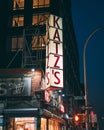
16 43
17 22
18 4
41 3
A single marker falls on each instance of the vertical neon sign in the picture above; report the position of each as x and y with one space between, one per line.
54 53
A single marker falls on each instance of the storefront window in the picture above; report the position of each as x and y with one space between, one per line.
54 125
17 43
23 123
18 4
43 124
17 21
41 3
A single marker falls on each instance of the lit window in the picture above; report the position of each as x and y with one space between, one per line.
38 42
17 43
18 4
41 3
39 19
18 21
47 3
43 123
54 125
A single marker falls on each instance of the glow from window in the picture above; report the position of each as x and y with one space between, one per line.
18 4
17 43
41 3
40 19
38 42
18 21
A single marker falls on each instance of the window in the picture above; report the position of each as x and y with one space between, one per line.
54 125
38 42
43 124
17 21
39 19
18 4
17 43
41 3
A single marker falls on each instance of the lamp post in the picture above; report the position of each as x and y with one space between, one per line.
85 81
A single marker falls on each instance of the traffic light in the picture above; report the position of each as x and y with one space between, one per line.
91 113
93 117
79 118
76 118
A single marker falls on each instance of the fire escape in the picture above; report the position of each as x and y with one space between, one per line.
34 45
33 54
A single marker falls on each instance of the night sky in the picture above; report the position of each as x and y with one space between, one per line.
87 16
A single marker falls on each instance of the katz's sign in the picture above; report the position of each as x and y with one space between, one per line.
54 53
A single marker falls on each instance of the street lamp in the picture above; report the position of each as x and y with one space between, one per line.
85 82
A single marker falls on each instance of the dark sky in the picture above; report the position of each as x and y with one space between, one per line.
87 16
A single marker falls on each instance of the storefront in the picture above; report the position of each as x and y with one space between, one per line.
31 119
26 104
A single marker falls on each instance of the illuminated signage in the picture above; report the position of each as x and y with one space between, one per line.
62 109
23 83
54 53
15 86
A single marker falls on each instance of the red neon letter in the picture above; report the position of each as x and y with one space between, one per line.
55 65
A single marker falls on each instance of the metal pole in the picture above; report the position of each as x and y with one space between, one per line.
85 79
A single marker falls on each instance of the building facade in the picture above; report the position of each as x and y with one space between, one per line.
26 31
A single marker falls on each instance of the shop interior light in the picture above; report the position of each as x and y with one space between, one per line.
63 95
32 69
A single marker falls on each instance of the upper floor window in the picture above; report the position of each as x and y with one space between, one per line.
39 19
17 21
38 42
18 4
17 43
41 3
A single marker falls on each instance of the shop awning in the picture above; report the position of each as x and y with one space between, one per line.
21 112
49 114
32 112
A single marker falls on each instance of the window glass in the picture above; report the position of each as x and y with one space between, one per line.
18 4
47 3
38 42
41 3
43 124
54 125
35 3
17 21
39 19
17 43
